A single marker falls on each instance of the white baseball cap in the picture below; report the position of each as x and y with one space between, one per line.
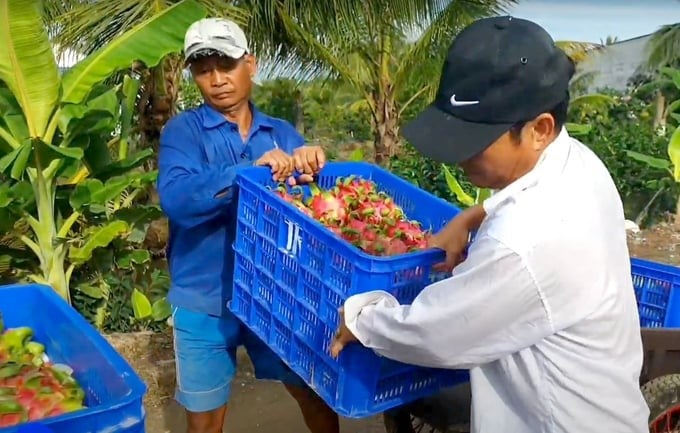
215 35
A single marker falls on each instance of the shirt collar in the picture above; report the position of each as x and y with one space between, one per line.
549 162
213 118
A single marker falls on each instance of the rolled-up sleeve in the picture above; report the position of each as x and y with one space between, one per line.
489 308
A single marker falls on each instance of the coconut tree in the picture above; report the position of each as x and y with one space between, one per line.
664 46
360 41
382 50
86 25
663 51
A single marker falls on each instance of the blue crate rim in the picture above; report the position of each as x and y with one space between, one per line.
137 386
356 251
366 165
330 235
650 265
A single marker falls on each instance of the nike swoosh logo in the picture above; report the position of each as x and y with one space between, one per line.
461 103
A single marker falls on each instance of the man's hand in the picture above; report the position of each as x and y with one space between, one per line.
309 160
281 163
343 336
454 238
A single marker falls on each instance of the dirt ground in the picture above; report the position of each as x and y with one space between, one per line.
660 243
259 407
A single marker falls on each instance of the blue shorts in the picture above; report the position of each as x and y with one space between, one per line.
205 357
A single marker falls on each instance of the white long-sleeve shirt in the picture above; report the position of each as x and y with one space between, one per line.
542 311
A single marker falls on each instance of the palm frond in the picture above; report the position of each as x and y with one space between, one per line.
319 55
365 35
664 46
86 26
438 29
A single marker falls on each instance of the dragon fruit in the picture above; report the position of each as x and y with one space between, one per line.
355 210
31 387
327 207
294 199
352 189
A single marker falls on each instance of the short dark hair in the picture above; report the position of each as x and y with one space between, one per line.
558 112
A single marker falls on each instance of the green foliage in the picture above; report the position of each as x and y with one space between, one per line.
624 127
664 46
428 174
330 111
111 287
278 98
612 126
58 134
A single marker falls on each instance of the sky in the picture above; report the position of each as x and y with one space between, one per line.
594 20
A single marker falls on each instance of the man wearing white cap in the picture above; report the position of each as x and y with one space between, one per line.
202 150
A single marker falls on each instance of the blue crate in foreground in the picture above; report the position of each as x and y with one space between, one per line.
658 296
113 391
291 275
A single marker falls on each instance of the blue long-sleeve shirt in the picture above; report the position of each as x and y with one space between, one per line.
201 153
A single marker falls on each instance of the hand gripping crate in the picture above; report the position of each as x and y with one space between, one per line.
292 274
113 391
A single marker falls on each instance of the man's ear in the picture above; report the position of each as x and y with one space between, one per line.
252 65
542 130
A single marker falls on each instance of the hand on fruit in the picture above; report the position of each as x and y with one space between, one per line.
309 160
455 236
281 163
343 336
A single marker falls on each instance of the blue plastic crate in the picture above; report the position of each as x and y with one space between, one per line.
658 296
113 391
292 274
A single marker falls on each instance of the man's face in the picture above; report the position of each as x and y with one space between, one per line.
224 82
510 157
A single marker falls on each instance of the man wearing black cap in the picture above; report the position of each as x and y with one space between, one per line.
542 310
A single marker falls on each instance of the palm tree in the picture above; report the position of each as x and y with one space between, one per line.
609 40
664 46
383 50
664 51
361 41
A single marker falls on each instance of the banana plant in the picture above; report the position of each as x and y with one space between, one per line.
57 136
670 77
457 190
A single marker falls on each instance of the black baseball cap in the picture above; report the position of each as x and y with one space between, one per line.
499 71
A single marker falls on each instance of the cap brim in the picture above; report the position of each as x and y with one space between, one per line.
448 139
226 50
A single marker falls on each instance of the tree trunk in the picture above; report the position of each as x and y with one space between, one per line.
385 126
659 110
157 104
159 101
